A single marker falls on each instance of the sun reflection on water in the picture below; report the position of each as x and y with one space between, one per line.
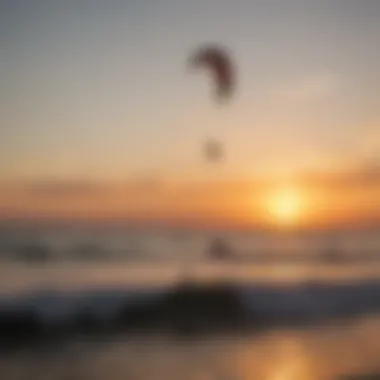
288 359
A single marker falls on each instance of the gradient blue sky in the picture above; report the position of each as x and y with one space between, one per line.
99 89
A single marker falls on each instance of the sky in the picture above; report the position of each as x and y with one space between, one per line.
97 104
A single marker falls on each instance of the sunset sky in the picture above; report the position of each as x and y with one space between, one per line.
100 119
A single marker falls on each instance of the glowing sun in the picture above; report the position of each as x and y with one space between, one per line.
285 206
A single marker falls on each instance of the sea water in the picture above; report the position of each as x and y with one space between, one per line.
296 281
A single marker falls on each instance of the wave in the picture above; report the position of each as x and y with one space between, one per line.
196 307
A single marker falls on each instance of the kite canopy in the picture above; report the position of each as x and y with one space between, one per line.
219 63
217 60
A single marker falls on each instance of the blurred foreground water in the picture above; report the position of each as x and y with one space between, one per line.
124 265
309 354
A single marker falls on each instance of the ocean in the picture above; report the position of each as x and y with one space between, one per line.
276 276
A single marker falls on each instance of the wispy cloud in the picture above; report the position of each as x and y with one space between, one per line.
362 176
60 188
304 91
369 141
293 111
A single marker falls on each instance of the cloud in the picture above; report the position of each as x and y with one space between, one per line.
72 188
60 188
293 110
369 140
364 175
145 184
303 91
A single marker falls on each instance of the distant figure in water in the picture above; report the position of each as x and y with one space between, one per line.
90 251
33 253
219 249
332 253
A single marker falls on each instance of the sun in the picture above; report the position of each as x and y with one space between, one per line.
285 206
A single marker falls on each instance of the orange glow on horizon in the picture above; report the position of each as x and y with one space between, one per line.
252 204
